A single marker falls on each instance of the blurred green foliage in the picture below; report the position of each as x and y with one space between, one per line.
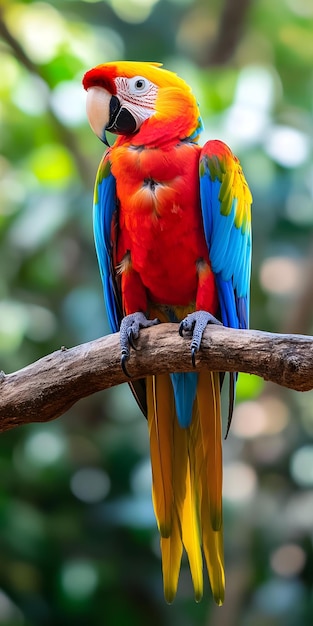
78 539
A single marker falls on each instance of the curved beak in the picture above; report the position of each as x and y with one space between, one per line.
98 111
105 112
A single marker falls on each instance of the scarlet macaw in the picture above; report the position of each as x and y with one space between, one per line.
172 230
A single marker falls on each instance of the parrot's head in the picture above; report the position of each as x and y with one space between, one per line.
133 98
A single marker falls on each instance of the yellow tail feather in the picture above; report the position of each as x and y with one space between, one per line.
187 483
168 445
213 548
191 533
161 415
208 397
171 549
205 438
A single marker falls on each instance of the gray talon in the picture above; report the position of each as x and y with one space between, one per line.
196 323
129 333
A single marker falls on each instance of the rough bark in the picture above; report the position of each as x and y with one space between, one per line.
47 388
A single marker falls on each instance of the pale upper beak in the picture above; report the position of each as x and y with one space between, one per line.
98 110
105 112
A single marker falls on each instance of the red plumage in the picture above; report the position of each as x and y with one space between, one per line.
165 246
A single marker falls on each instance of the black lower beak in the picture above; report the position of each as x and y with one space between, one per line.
121 120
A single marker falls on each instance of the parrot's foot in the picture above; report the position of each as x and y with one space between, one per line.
195 323
129 333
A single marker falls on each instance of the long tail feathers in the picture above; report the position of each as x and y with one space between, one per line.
211 478
171 550
208 396
191 532
187 483
161 413
214 555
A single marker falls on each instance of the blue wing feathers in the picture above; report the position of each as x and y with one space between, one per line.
209 191
227 301
229 246
103 215
243 309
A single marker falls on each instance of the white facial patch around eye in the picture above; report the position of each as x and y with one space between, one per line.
137 90
138 95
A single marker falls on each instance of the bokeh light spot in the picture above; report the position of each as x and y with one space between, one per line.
133 11
249 420
281 275
278 596
31 95
69 103
240 482
13 324
140 479
52 164
266 416
287 146
39 27
40 219
79 579
268 450
301 466
90 484
41 323
44 448
299 208
297 514
288 560
18 320
248 118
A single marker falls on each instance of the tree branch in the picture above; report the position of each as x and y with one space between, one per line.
45 389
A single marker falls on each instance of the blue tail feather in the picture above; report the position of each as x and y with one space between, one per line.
185 387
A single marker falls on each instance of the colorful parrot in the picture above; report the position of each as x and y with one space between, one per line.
172 229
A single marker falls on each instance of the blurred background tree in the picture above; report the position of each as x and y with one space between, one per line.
78 540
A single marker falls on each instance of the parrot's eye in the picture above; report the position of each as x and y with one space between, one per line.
139 84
